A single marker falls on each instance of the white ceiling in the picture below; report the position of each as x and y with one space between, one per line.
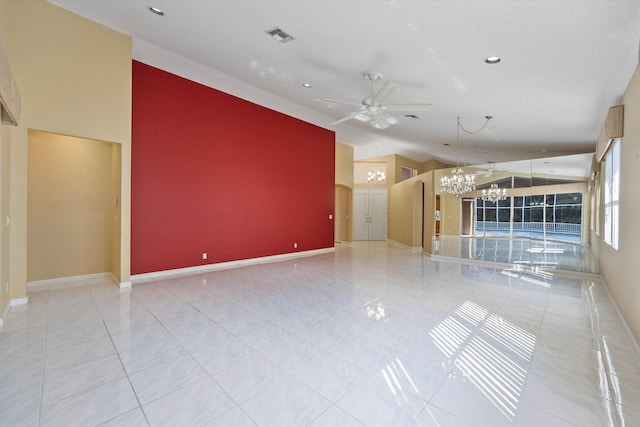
564 63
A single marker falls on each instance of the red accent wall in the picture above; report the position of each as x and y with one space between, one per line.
213 173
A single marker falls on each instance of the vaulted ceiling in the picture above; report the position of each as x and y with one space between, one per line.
564 63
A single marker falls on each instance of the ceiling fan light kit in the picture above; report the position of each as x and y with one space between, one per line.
374 107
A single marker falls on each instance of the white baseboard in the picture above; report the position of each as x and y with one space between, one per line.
4 313
167 274
15 302
402 245
19 301
625 326
124 285
71 281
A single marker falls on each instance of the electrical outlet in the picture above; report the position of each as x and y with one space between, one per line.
204 255
330 216
295 245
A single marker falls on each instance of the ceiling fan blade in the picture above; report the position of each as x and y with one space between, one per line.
339 101
407 107
384 92
344 119
379 118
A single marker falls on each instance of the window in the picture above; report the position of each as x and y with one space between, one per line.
612 194
408 172
558 215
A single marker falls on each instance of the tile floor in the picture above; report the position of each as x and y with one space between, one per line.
373 335
549 255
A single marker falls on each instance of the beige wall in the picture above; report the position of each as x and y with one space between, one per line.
400 219
344 165
406 214
401 161
5 179
450 209
618 267
70 218
344 193
431 165
394 164
115 204
74 78
4 213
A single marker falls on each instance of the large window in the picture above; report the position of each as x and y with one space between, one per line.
612 194
559 215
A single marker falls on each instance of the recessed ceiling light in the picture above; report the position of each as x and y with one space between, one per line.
157 11
307 85
493 60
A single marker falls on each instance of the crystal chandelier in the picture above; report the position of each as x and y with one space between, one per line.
458 183
376 176
494 194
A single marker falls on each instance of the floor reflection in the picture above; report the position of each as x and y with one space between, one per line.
492 352
528 252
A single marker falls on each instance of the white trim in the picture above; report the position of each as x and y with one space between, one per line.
163 59
402 245
19 301
4 313
625 326
68 281
166 274
118 283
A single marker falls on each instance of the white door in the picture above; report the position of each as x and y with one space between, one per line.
370 214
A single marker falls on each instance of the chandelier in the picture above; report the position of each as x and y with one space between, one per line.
459 183
494 194
376 176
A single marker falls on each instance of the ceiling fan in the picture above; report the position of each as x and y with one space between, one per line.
373 106
490 171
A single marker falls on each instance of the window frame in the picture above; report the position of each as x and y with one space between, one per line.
611 205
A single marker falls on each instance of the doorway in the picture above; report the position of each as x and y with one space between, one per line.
370 214
73 207
342 222
467 217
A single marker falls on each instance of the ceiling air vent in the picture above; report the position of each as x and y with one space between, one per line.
279 35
